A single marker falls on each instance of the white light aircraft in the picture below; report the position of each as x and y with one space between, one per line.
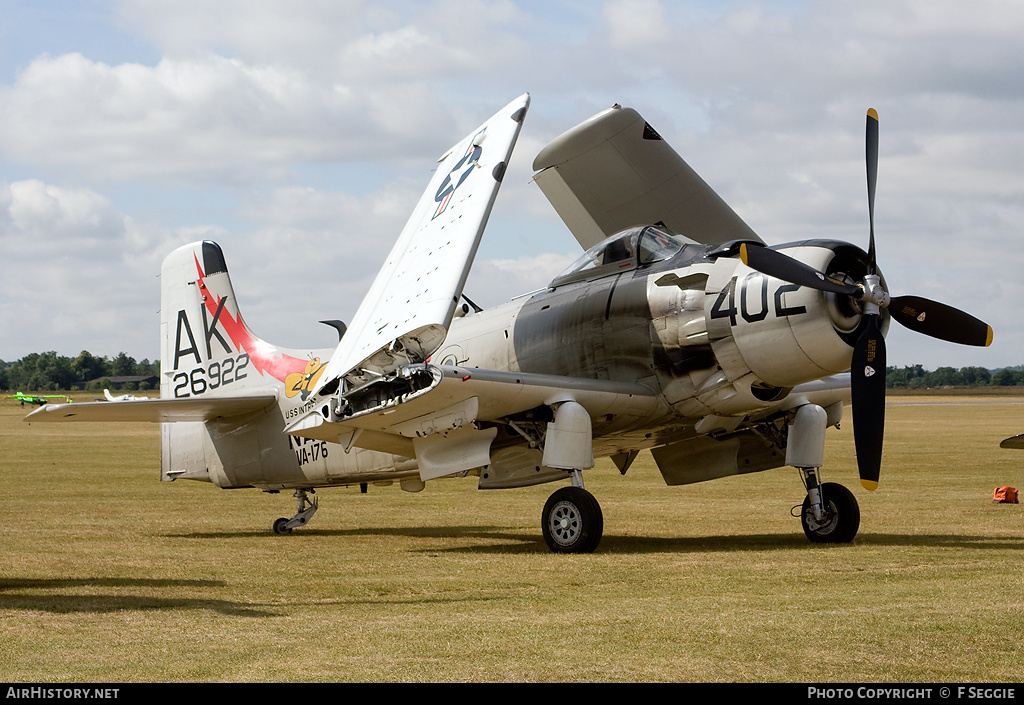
124 397
677 332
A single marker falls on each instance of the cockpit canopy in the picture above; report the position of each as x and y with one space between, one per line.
624 251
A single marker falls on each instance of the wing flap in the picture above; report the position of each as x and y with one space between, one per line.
614 171
154 410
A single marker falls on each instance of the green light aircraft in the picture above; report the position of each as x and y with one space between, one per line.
39 399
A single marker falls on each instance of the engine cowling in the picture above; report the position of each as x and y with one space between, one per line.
782 333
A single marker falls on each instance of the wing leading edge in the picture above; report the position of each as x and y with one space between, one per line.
614 171
154 410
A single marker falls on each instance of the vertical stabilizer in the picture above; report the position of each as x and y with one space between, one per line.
206 347
208 351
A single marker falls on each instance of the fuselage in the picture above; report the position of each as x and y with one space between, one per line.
719 346
716 341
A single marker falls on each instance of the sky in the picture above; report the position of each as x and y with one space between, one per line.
300 134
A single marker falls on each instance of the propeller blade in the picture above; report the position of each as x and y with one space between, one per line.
1013 442
867 387
940 321
782 266
871 156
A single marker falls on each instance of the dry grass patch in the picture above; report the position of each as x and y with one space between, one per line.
110 575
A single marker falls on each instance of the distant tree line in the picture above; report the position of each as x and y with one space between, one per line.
916 377
49 371
52 372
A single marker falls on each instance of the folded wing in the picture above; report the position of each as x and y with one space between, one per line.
406 313
614 171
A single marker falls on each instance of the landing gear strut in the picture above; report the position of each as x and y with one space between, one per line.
830 513
306 509
571 521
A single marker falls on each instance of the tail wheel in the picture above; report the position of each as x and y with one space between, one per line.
572 521
841 520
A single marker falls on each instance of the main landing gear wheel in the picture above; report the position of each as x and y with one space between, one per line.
841 519
572 521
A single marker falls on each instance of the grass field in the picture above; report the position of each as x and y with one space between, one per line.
109 575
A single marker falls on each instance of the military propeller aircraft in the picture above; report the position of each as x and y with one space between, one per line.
678 331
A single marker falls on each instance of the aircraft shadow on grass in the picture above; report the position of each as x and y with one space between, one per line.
515 542
55 595
70 603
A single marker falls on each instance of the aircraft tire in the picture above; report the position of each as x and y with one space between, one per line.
844 516
280 526
572 521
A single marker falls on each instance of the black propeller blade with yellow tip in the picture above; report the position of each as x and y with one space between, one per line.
782 266
867 368
867 390
940 321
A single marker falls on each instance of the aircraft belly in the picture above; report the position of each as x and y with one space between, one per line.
295 461
301 461
364 466
254 450
260 454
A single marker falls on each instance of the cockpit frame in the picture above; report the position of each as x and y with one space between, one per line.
624 251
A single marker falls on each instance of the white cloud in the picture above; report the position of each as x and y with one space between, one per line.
635 24
77 273
494 281
48 221
203 116
353 42
945 20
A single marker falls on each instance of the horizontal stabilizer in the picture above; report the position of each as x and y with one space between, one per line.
154 410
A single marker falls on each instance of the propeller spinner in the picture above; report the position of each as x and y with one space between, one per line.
867 371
